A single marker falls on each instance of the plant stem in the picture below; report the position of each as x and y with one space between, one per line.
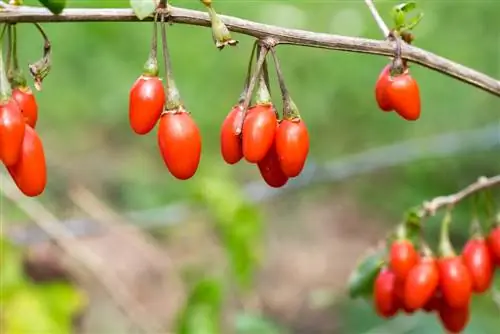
5 90
445 246
251 86
173 99
249 74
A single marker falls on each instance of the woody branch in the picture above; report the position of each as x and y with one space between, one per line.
19 14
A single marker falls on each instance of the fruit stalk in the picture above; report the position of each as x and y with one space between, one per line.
220 33
445 246
5 90
173 97
151 65
263 94
241 100
251 86
290 110
41 68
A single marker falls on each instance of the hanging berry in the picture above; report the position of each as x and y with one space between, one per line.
179 138
147 96
292 137
11 119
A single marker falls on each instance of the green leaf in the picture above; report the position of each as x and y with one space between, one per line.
399 16
55 6
251 324
202 312
143 8
414 21
242 241
361 280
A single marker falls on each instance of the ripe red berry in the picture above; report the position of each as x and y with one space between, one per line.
270 169
230 142
27 103
258 132
179 140
12 127
384 294
453 319
454 281
404 96
403 257
477 258
421 283
146 102
30 171
381 86
494 244
434 303
292 145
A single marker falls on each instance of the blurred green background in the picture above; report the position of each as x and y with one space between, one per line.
83 121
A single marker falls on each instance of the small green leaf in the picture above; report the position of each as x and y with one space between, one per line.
413 22
361 280
55 6
201 314
143 8
405 7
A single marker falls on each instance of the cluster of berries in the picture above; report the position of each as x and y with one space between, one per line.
21 149
279 146
412 280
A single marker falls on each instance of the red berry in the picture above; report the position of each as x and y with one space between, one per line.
230 142
146 102
434 303
383 82
27 103
494 244
421 283
384 294
403 257
179 140
270 169
30 171
12 127
404 96
292 145
477 258
258 132
454 281
453 319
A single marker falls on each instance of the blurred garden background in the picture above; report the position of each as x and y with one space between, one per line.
275 261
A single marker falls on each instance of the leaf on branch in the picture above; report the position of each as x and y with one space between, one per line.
55 6
143 8
361 280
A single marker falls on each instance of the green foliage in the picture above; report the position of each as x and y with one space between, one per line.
401 19
362 278
34 308
55 6
143 8
238 223
202 311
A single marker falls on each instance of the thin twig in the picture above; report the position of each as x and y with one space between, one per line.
430 207
64 239
281 35
378 19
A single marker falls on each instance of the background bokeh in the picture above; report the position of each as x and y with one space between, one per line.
355 187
